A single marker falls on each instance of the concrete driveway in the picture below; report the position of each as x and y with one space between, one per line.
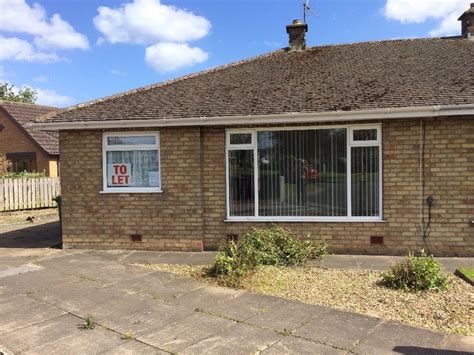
46 293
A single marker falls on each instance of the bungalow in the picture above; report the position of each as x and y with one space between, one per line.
369 146
23 148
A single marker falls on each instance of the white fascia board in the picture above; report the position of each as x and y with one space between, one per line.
292 118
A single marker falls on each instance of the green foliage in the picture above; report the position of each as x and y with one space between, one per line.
89 322
416 273
263 246
22 175
26 95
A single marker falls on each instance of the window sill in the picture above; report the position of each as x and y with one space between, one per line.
307 220
132 191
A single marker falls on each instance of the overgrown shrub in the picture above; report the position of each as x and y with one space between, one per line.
22 175
416 273
263 246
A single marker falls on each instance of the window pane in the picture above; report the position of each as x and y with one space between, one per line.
131 140
365 135
240 138
241 183
365 181
138 168
302 173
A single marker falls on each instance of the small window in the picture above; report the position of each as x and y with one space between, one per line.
240 138
131 162
362 135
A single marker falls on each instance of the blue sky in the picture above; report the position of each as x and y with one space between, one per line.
72 51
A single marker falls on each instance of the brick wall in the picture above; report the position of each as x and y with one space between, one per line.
449 178
14 140
171 220
191 210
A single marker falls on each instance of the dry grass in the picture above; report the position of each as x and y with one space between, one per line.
21 216
450 311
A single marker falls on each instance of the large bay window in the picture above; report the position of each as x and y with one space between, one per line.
131 162
304 173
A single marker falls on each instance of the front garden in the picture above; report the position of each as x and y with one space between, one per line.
274 262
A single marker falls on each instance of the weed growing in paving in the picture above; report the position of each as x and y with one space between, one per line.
263 246
89 322
128 335
416 273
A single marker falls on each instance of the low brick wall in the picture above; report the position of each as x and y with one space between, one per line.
190 213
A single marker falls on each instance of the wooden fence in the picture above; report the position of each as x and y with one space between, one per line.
23 194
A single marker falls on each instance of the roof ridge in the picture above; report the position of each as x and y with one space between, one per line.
19 103
384 41
171 81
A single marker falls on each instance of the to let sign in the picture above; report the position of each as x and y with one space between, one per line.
119 174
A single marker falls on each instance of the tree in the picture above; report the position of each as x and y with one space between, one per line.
27 94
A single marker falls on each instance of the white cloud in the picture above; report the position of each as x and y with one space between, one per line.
47 34
165 57
149 21
166 30
51 98
117 72
417 11
40 79
17 49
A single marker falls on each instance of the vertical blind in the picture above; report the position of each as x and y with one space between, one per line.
303 173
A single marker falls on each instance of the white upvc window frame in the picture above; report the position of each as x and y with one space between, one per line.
349 144
108 148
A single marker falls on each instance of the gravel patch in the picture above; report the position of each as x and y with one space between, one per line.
450 311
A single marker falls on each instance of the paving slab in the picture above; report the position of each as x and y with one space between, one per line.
392 337
37 334
130 347
76 297
20 311
139 316
192 329
237 339
244 306
460 343
22 269
36 280
161 285
292 345
338 329
287 316
204 296
90 341
87 266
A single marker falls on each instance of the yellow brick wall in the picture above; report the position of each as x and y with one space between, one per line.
171 220
190 213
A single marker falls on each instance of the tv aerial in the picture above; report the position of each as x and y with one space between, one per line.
307 10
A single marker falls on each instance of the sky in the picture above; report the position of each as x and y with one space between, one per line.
72 51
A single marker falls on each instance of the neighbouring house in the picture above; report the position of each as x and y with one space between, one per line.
23 148
369 146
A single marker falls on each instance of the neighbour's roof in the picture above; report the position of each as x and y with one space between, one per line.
351 77
24 113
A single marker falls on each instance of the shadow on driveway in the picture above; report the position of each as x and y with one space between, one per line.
45 235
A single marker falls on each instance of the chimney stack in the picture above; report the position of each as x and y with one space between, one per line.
297 31
467 21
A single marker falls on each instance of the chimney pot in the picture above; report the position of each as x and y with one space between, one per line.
297 33
467 23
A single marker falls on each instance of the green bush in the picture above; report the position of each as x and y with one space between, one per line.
21 175
264 246
416 273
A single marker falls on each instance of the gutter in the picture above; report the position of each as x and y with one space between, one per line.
362 115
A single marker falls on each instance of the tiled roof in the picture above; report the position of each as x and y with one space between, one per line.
360 76
28 113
